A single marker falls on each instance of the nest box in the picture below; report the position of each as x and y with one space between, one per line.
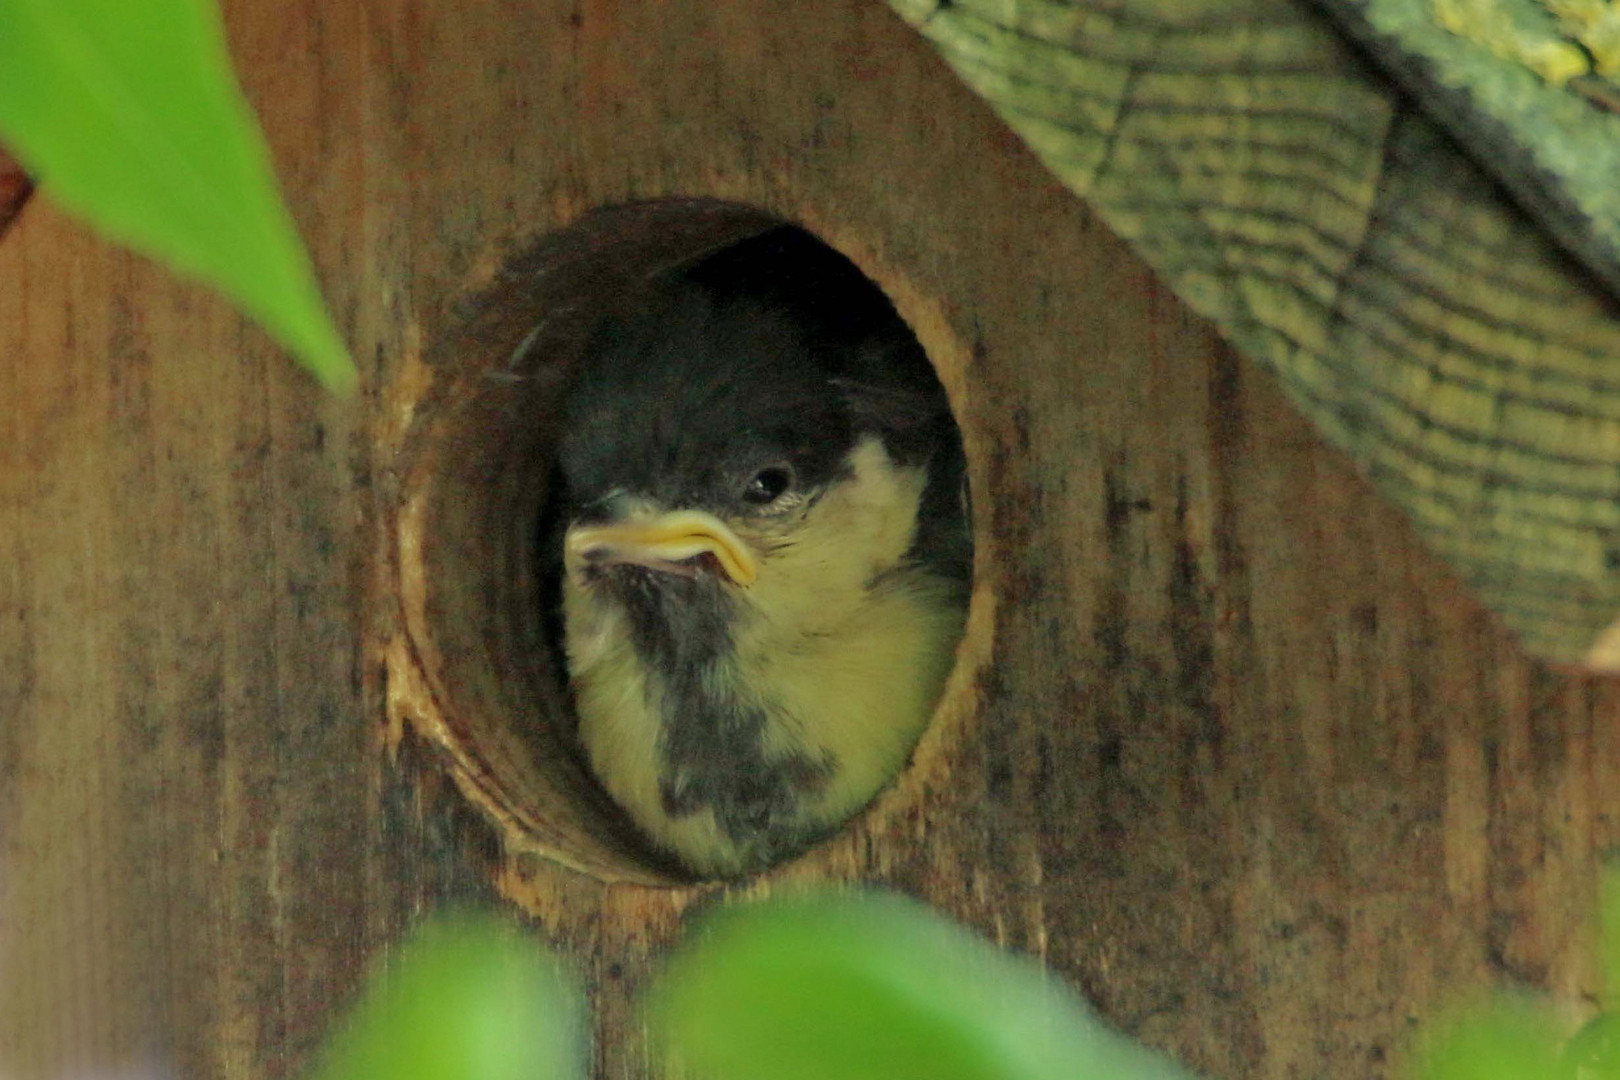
1227 745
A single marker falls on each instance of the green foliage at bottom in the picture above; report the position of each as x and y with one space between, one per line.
846 986
469 998
875 988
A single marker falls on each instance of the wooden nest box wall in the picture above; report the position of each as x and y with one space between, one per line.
1227 747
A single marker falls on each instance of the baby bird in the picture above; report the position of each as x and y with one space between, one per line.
767 554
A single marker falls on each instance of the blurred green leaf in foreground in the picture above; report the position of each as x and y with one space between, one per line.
841 987
127 113
1519 1038
875 988
1511 1039
468 998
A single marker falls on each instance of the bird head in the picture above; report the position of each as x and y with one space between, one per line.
710 439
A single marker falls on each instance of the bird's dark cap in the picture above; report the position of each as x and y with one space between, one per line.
732 369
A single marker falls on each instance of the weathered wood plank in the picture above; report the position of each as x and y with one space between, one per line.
1425 324
1516 87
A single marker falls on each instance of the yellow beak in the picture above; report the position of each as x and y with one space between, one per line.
664 543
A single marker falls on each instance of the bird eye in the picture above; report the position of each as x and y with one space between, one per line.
768 485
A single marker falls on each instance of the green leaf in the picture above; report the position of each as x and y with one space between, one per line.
1509 1039
467 999
1594 1052
878 988
128 114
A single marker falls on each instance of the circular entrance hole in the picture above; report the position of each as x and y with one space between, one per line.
485 677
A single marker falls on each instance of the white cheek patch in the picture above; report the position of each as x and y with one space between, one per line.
860 528
879 506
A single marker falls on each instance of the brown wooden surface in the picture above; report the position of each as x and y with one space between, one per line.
1229 749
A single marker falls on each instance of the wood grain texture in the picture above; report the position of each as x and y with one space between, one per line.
1229 747
1427 326
1554 145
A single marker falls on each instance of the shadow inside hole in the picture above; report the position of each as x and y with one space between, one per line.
480 519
